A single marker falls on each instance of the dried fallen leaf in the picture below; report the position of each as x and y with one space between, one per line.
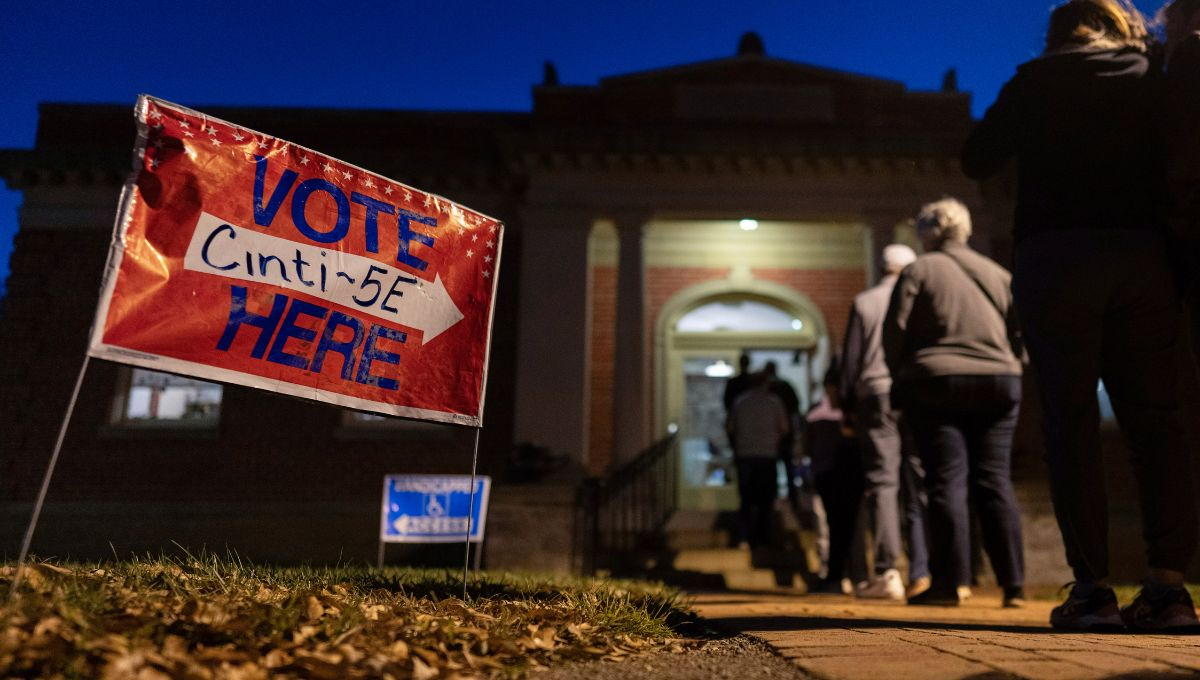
315 610
421 671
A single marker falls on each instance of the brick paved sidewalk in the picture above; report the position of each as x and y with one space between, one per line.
838 638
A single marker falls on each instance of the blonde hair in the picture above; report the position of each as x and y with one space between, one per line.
944 220
1099 24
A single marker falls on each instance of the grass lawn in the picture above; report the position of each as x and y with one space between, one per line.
210 617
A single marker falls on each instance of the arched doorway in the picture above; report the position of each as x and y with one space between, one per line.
701 334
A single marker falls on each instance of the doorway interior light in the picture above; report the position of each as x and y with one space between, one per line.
748 225
719 369
797 324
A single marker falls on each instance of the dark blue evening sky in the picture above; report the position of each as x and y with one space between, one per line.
458 54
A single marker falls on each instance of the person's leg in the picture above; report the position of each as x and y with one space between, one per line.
990 446
880 442
1056 288
765 490
912 494
1141 336
745 500
944 454
840 489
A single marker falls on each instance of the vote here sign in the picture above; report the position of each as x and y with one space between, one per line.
243 258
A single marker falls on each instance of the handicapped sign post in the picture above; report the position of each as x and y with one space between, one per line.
434 509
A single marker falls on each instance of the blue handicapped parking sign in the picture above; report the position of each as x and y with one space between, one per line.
433 508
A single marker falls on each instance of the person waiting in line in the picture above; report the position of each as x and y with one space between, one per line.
756 426
1182 20
787 445
865 387
950 344
736 385
1095 295
837 475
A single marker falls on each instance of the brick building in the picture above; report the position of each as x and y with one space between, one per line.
659 224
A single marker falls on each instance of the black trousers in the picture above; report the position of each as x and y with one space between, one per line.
756 491
1100 304
841 489
963 426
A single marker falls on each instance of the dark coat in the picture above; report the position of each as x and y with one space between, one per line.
1082 125
1183 137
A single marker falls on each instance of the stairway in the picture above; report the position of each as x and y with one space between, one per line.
699 553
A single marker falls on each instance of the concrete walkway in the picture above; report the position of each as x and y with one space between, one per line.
838 638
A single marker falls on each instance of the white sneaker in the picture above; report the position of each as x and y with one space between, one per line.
887 586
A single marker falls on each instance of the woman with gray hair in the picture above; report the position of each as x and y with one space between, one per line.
1093 286
949 343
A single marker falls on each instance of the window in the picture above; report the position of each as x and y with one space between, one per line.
152 399
746 316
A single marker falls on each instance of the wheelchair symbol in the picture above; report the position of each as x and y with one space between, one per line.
435 506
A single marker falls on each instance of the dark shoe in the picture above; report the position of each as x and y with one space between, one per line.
1014 598
936 598
829 586
1159 609
1096 610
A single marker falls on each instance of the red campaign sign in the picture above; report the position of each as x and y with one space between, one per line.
246 259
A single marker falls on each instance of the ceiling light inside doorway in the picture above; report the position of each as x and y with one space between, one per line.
719 369
797 324
748 225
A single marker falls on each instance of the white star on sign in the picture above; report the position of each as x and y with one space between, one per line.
346 174
474 238
407 196
304 160
155 114
487 258
238 136
470 253
184 124
215 141
327 167
487 274
188 133
388 190
212 131
492 229
262 143
369 184
491 244
428 200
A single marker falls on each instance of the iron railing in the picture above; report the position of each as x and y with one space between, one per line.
625 512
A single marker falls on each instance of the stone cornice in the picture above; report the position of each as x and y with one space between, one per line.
729 164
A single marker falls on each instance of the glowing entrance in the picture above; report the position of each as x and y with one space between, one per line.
702 332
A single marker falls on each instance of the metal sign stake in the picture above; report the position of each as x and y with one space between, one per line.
41 497
470 512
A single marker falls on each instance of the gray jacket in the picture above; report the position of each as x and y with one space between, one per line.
940 323
864 370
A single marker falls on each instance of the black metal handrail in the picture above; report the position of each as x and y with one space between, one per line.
627 509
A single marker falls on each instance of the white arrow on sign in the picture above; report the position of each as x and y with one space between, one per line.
369 286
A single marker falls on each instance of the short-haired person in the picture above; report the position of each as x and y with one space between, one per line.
949 341
866 386
1096 300
756 425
